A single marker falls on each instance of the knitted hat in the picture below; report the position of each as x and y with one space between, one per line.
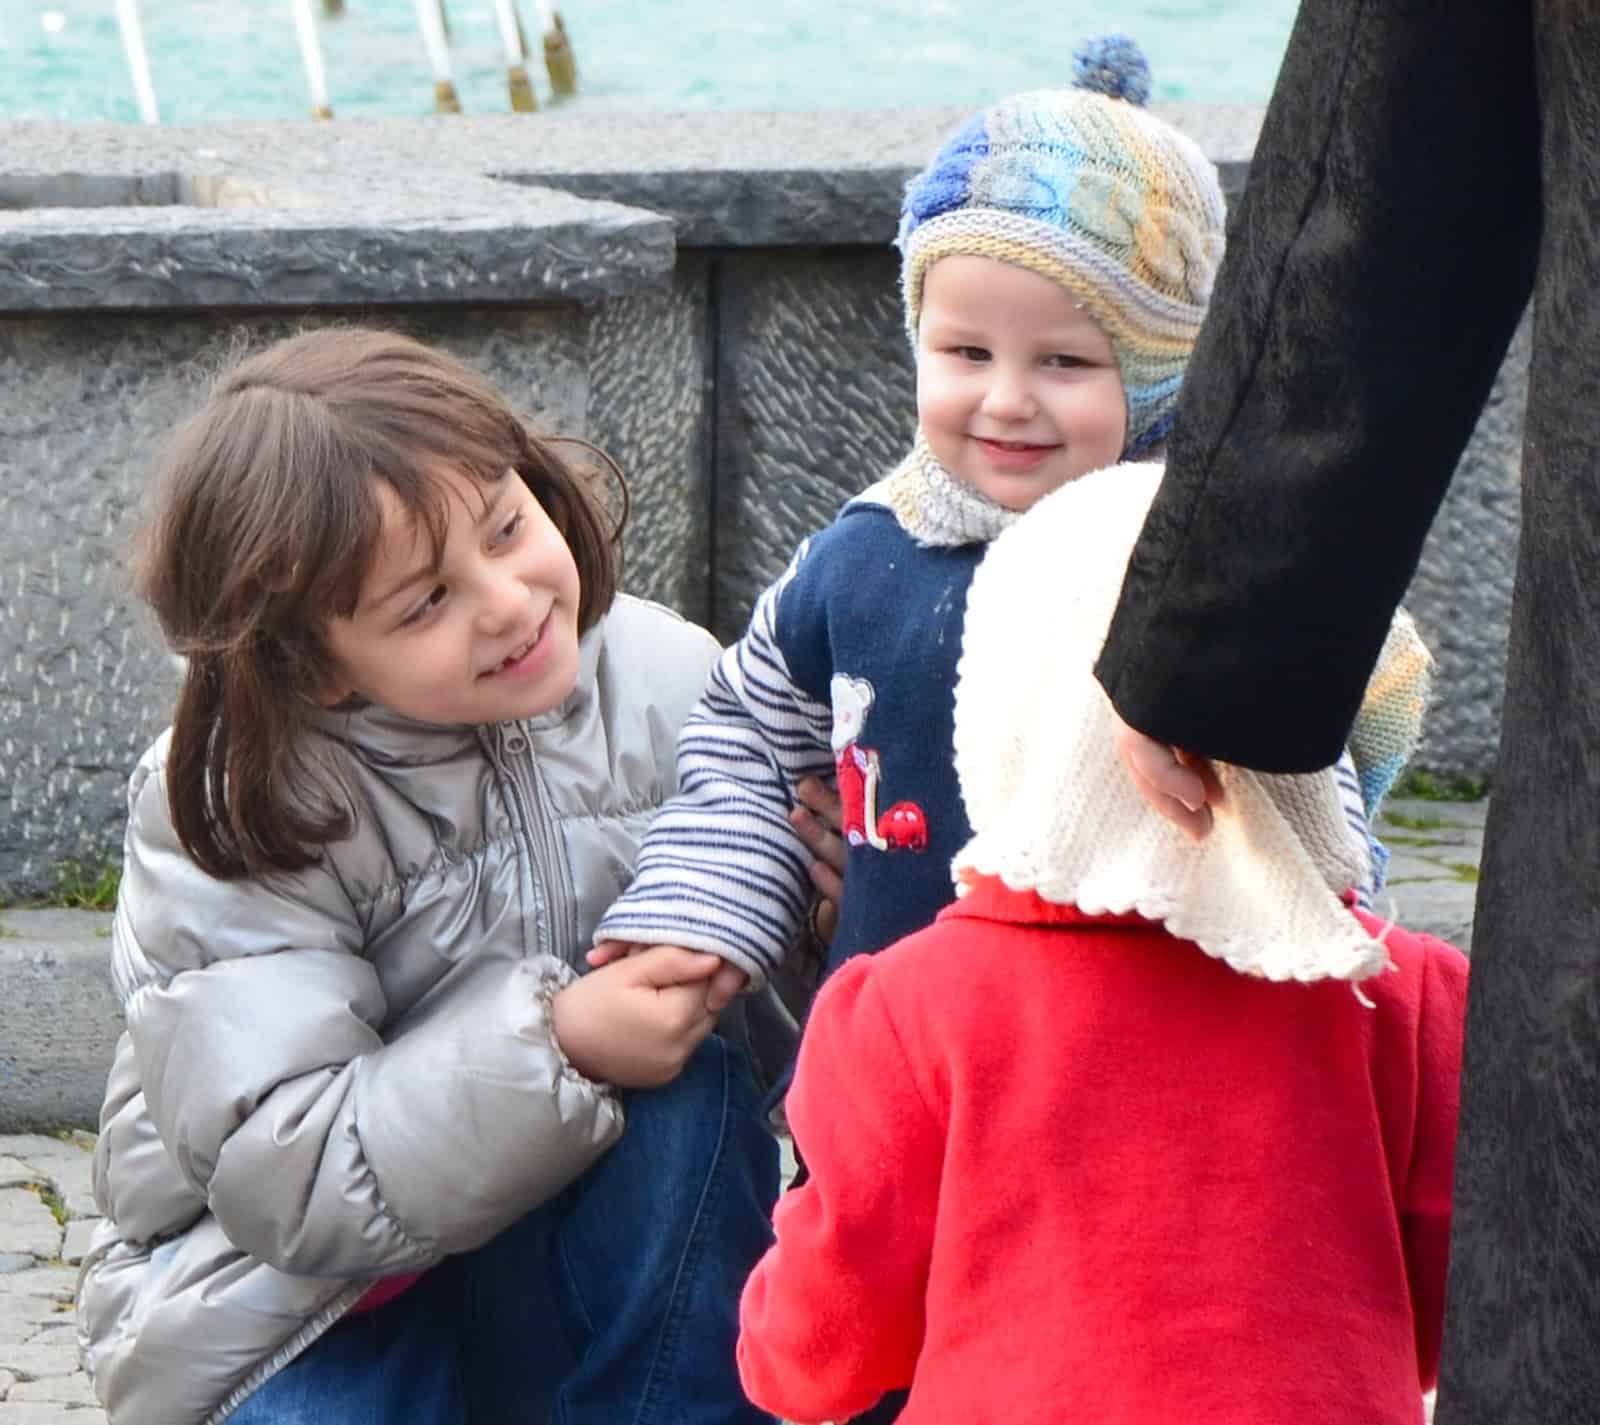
1087 188
1389 724
1053 809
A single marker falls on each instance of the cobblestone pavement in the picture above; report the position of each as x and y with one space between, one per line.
1434 851
47 1212
46 1215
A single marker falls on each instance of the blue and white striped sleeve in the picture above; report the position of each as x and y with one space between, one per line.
721 869
1355 814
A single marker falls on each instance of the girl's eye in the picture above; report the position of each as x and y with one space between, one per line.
508 531
426 607
1062 360
971 353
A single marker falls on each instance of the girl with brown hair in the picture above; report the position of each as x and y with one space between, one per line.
371 1150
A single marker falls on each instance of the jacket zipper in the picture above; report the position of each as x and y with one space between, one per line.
553 893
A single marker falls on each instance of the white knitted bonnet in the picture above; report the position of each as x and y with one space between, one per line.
1054 810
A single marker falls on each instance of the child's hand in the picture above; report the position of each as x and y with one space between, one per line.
635 1022
720 993
817 821
1179 785
608 950
724 986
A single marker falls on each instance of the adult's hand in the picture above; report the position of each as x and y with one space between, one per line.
1179 785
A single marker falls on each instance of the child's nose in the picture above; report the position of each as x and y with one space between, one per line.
1010 396
503 599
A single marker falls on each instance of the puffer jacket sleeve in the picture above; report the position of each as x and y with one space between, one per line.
255 1020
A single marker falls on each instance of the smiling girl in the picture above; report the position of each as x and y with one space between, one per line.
371 1151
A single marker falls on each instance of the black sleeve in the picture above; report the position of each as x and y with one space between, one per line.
1376 269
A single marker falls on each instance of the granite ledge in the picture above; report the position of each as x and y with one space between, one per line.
545 207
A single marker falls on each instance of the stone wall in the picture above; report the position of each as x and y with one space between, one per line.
710 297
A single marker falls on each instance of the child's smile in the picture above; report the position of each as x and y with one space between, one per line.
1018 389
487 632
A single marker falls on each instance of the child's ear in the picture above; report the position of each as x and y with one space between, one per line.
333 690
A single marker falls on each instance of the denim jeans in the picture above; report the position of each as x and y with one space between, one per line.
616 1303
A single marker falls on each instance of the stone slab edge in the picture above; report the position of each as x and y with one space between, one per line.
59 1018
170 220
542 207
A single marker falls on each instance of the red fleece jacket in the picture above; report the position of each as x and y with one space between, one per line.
1073 1168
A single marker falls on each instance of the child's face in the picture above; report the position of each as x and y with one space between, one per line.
1018 390
489 635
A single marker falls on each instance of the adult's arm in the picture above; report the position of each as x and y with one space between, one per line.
1376 269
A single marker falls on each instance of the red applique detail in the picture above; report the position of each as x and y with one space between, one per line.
904 827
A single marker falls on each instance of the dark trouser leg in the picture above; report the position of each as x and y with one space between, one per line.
1522 1337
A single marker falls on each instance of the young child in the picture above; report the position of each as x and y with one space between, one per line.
1058 253
370 1151
1142 1128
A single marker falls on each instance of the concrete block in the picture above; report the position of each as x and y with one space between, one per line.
59 1022
815 400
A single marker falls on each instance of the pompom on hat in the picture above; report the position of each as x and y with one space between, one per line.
1054 811
1087 188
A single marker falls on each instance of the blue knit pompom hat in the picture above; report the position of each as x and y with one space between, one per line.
1088 188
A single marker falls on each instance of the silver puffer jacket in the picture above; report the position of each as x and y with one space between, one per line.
348 1072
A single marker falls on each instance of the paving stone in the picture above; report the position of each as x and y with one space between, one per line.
7 1380
75 1242
32 1413
24 1318
27 1226
56 1355
17 1328
48 1283
1406 866
67 1166
11 1262
56 1390
14 1173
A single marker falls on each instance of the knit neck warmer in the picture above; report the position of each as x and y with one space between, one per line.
935 507
1052 807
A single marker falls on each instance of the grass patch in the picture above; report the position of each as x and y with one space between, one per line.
7 933
1390 838
80 887
1464 871
1415 823
1425 786
52 1199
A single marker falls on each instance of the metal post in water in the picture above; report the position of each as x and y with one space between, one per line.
144 92
305 27
430 20
517 81
559 62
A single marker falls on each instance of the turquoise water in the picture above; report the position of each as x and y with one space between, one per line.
237 59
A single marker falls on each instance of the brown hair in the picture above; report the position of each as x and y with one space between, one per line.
265 523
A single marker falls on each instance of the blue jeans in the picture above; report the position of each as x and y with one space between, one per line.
616 1303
